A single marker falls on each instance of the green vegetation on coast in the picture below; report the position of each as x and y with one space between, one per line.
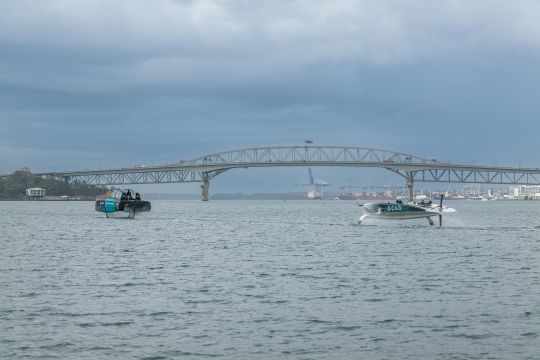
13 187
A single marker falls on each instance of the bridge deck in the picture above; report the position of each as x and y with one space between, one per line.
205 168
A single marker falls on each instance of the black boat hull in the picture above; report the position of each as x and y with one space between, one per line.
111 206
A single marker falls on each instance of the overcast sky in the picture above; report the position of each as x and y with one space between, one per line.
92 83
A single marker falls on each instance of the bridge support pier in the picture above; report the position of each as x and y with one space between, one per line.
205 187
410 187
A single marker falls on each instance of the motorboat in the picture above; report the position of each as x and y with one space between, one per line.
122 203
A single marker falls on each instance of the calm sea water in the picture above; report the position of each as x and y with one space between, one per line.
268 280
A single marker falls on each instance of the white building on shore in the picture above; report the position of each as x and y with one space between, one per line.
36 192
525 192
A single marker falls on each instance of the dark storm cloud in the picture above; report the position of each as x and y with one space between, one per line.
81 80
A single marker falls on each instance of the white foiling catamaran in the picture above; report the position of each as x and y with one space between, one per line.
401 211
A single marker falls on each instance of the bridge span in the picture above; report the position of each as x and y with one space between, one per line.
205 168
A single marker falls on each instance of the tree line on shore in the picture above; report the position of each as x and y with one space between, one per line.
13 186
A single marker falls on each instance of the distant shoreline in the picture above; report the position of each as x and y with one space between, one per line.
45 200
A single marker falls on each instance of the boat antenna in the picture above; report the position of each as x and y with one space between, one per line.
441 211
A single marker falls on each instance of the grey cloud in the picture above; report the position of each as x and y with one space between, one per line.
148 42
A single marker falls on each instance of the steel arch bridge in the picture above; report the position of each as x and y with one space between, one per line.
205 168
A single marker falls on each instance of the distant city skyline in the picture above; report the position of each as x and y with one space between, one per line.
90 84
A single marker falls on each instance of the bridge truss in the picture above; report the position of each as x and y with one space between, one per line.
203 169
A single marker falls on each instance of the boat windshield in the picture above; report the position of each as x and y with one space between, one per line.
117 193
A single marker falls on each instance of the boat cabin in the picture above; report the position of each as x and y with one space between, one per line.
125 194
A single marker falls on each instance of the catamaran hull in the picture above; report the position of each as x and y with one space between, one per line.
402 216
398 211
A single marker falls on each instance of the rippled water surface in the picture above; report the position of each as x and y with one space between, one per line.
265 280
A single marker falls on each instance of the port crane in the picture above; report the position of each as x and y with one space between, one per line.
316 187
